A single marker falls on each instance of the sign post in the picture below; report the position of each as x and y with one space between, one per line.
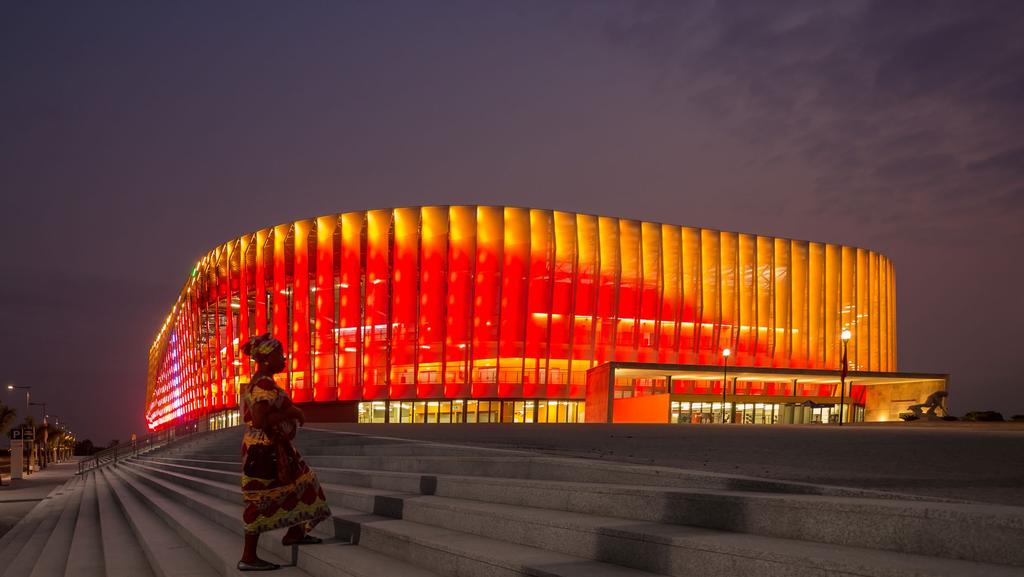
17 454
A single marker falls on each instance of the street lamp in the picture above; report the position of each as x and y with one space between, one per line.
845 337
28 396
725 378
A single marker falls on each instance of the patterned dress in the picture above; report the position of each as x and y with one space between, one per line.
278 488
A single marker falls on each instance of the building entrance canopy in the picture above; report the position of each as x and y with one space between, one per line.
643 392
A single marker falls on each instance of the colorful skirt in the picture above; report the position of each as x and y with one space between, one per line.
278 488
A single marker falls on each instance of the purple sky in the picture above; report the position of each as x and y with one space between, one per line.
136 136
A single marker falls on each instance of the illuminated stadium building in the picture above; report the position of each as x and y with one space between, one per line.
498 314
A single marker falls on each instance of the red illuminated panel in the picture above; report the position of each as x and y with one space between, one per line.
262 287
405 286
377 330
300 361
324 349
538 307
432 294
243 298
281 295
562 291
515 272
349 297
487 301
461 256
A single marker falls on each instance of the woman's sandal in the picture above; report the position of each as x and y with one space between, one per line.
304 540
257 565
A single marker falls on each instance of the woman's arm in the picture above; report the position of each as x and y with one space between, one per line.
288 413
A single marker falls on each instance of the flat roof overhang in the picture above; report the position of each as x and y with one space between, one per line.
714 372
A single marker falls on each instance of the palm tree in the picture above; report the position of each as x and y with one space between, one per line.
7 415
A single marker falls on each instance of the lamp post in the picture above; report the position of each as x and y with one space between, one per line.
725 378
28 411
28 396
845 337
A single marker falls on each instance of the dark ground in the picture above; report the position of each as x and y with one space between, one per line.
978 462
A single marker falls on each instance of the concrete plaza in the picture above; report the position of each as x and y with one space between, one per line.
970 461
19 496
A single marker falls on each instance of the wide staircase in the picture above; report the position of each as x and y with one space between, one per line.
406 508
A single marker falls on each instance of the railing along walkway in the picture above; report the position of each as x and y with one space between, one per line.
150 442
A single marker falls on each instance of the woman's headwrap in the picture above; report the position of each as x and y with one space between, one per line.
260 347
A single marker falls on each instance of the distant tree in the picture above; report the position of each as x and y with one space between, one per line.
84 448
114 443
7 416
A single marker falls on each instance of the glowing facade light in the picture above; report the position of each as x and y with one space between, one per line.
466 302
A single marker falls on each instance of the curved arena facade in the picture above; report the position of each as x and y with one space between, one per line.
467 313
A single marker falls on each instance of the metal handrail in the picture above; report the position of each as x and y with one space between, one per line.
150 442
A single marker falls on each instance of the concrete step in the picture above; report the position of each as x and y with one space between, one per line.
525 466
655 547
217 547
432 548
167 553
54 556
983 533
455 553
85 557
123 554
26 551
326 560
13 540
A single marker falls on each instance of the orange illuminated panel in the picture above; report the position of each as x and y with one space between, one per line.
628 311
746 274
693 296
671 294
709 349
432 295
783 295
728 336
585 297
765 283
799 343
649 318
607 290
816 305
